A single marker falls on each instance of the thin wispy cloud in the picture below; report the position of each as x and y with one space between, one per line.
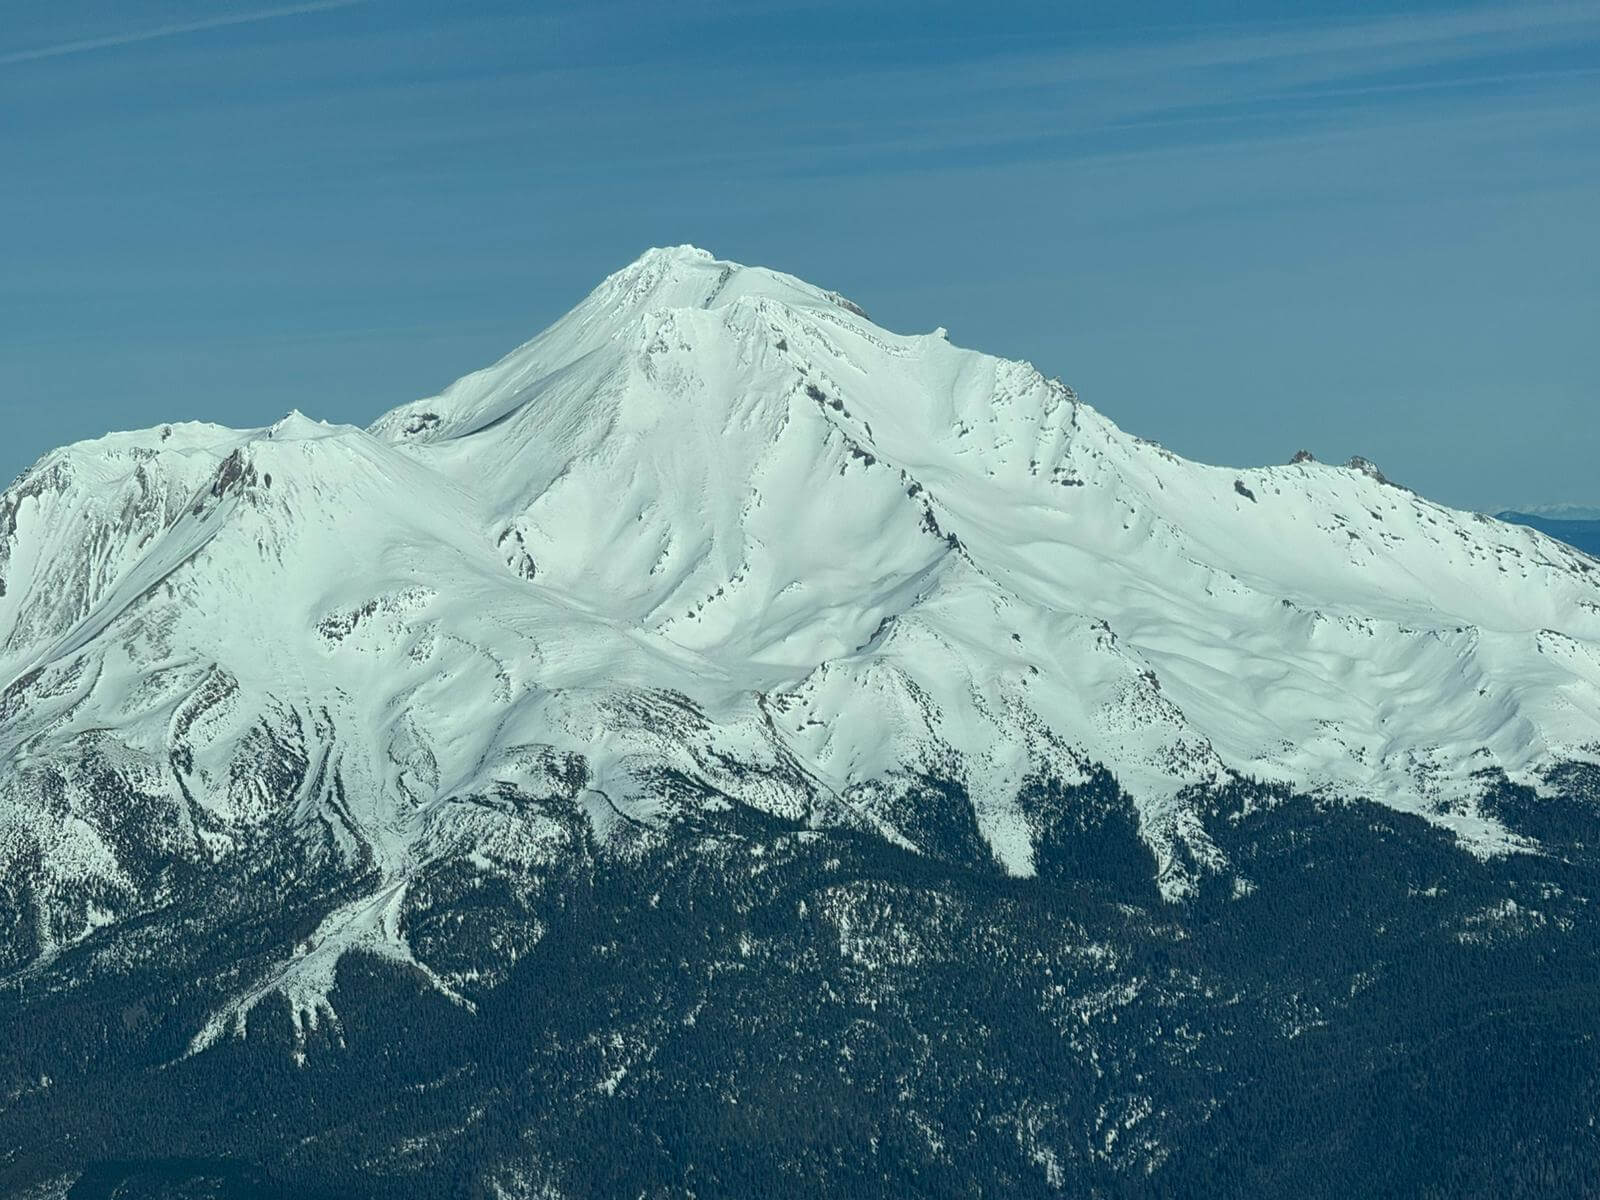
1457 76
1252 64
132 37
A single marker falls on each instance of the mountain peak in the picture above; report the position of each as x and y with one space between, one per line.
295 426
625 320
684 252
688 277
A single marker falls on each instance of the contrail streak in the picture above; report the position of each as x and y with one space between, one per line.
150 35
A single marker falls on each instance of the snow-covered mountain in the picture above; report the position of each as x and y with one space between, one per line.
728 748
717 538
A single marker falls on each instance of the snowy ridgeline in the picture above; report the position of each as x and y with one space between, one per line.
715 537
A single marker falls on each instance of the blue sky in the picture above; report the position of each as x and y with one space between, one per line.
1367 229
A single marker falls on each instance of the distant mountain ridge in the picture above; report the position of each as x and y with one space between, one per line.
1561 512
1572 524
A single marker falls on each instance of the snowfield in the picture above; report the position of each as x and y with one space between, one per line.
715 537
